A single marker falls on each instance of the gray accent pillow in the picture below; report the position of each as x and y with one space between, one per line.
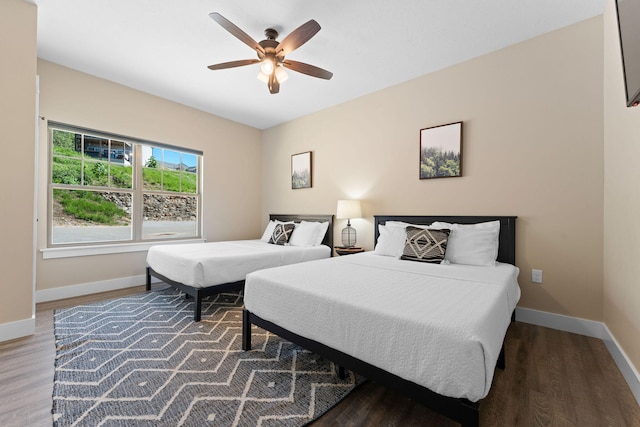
281 234
425 245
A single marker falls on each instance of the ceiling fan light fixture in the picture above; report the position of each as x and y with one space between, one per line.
267 65
281 74
264 78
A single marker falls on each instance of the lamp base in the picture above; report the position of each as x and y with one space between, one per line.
348 236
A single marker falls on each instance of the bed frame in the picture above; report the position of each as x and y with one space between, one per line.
461 410
199 293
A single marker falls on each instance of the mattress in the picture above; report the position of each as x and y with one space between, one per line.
208 264
440 326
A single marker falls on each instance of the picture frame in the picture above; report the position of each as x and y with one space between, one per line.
441 151
301 170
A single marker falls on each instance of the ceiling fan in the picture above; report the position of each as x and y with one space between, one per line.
271 54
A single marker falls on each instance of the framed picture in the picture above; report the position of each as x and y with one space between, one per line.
301 170
441 151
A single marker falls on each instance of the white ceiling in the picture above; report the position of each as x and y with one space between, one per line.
163 47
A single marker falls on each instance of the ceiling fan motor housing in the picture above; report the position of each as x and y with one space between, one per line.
270 34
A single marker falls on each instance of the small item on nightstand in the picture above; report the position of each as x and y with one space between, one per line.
349 209
344 250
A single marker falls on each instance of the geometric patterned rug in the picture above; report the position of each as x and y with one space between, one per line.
141 360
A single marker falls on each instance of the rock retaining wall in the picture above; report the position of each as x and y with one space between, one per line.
170 208
159 207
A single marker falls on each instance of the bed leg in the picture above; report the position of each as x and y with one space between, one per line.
342 373
246 330
471 414
148 283
197 311
501 359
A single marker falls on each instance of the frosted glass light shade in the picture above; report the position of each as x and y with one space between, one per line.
264 78
281 74
267 65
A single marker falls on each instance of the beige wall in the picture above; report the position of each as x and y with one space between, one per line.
18 114
532 147
621 200
231 163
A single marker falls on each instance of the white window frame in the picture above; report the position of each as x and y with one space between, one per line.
137 242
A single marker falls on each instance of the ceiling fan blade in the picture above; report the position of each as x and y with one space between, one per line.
233 64
274 84
310 70
237 32
298 37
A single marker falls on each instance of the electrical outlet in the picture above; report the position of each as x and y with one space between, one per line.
536 276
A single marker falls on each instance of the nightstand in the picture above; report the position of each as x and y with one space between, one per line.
341 250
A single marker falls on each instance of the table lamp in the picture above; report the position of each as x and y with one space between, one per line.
348 209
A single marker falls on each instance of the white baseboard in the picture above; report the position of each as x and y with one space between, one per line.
63 292
629 372
588 328
17 329
574 325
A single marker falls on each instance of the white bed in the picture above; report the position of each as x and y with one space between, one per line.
432 331
204 269
201 265
440 326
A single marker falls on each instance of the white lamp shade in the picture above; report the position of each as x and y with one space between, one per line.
348 209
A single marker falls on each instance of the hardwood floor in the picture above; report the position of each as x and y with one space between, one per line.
552 378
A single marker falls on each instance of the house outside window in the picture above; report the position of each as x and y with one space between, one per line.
107 188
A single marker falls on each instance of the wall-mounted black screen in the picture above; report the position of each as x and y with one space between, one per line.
629 28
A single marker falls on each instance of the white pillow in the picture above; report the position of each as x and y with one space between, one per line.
304 234
322 230
268 231
396 224
471 244
487 225
404 224
390 241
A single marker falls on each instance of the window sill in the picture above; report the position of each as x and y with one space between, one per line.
117 248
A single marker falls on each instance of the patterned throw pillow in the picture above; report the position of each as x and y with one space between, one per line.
425 245
281 234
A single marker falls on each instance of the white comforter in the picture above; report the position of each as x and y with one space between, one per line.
207 264
440 326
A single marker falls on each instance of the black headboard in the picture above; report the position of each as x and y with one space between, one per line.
506 250
328 237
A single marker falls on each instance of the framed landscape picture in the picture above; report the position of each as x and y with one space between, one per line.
301 170
441 151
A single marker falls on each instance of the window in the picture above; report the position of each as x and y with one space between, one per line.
108 189
170 192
